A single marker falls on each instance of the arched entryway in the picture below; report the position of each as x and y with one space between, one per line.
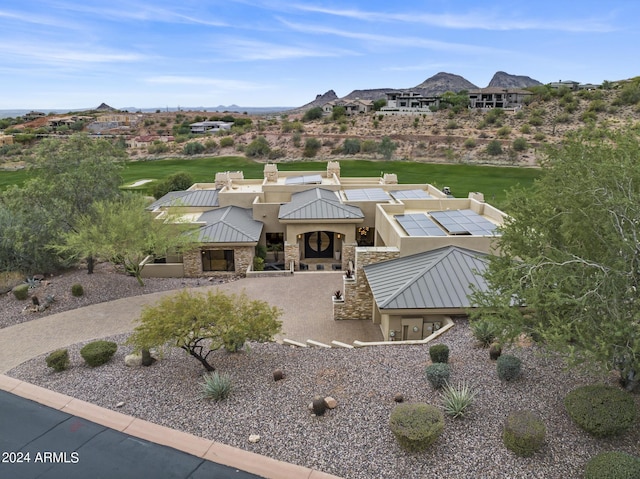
318 244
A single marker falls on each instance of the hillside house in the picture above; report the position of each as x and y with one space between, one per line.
209 126
409 102
319 221
144 141
6 139
352 107
498 97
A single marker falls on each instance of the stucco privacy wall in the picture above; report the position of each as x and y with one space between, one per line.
243 257
358 299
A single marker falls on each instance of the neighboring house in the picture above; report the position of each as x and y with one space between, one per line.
6 139
145 141
317 220
409 102
34 115
351 107
209 126
498 97
570 84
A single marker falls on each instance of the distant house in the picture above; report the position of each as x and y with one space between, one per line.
409 102
146 140
588 86
33 115
209 126
570 84
352 107
6 139
497 97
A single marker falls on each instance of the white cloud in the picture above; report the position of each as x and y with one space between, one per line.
205 82
249 50
476 20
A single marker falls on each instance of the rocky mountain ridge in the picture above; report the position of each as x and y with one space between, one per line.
436 85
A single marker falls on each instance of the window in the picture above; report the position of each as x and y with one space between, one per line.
365 235
218 260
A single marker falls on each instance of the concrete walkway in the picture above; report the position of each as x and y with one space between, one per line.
305 299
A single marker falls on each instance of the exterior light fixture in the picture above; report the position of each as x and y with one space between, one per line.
415 329
392 333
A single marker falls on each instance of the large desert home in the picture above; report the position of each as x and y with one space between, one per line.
410 253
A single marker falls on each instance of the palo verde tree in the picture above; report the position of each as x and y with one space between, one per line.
122 231
570 255
67 177
203 323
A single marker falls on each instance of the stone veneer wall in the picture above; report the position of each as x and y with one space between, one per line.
292 253
242 257
358 298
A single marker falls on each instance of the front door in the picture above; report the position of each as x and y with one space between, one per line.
318 244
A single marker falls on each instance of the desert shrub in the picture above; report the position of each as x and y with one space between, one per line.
495 351
469 143
9 279
258 147
311 147
601 410
508 367
612 465
539 136
58 360
494 148
226 141
520 144
351 146
193 148
314 113
369 146
416 426
523 433
438 374
457 399
77 290
98 353
439 353
503 132
484 331
536 120
258 263
21 292
216 386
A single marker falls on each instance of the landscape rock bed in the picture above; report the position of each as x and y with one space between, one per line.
353 440
105 284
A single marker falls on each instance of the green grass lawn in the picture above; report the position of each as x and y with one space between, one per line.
490 180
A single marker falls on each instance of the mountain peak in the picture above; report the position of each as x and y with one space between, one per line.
443 82
505 80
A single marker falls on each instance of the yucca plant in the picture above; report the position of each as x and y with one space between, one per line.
216 386
484 331
457 399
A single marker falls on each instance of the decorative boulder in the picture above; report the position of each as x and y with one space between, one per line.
133 360
399 397
146 358
253 438
278 375
318 406
330 402
495 350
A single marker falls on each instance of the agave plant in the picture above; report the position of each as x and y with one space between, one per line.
216 386
457 399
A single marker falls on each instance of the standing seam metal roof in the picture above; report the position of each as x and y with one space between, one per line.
231 224
441 278
198 198
317 204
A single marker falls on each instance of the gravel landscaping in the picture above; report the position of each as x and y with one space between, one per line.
353 440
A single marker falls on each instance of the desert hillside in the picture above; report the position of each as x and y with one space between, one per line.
453 135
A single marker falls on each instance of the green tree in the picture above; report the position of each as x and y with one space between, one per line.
258 147
67 178
378 104
178 181
314 113
570 255
338 113
387 147
201 324
123 232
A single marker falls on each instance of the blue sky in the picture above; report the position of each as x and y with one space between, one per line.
142 53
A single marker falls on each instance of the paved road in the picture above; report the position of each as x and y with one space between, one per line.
52 444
